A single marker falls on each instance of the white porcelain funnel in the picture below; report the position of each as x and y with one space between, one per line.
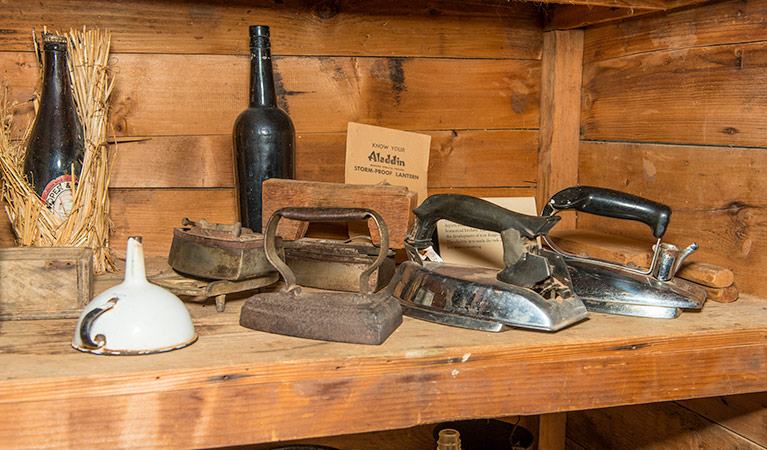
134 317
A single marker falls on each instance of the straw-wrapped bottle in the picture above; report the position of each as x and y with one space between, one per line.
55 149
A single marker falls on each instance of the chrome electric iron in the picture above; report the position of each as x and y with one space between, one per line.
532 291
617 289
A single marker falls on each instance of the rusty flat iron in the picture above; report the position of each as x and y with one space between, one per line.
532 291
363 317
217 251
612 288
337 265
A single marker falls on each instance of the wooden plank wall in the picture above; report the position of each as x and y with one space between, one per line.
467 73
674 109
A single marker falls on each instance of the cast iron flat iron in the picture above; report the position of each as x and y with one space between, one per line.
613 288
532 291
217 251
362 318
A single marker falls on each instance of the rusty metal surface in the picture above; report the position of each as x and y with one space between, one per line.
336 265
360 318
328 316
219 252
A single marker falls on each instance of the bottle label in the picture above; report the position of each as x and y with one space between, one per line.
58 195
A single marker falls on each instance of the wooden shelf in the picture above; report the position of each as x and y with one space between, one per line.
237 386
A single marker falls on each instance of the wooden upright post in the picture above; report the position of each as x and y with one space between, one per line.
551 431
561 69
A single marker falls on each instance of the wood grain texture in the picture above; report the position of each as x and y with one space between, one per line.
154 213
649 4
238 386
393 203
706 274
665 426
552 431
321 94
45 283
724 214
560 115
745 415
420 28
568 16
723 295
713 23
704 96
461 158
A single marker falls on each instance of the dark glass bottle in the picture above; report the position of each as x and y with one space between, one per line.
264 136
55 144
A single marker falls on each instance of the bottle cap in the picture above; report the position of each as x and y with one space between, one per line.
259 36
54 42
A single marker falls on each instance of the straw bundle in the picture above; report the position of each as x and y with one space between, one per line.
87 225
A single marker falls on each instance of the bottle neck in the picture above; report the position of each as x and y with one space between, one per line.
55 76
262 90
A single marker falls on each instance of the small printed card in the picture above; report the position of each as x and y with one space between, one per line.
467 246
377 154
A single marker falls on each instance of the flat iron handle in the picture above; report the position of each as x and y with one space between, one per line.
327 215
611 203
475 212
318 214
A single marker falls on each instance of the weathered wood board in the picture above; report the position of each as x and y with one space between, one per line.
236 386
665 426
154 213
45 282
560 122
420 28
394 204
716 23
320 94
742 414
723 213
701 95
460 158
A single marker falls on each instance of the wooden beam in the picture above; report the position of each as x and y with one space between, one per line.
568 17
407 28
573 15
560 115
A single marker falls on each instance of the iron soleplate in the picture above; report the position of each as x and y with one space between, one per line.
471 297
612 291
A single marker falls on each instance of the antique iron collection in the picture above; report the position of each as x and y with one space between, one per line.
352 291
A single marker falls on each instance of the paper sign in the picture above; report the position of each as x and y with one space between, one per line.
467 246
377 154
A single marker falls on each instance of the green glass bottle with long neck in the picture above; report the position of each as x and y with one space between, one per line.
55 148
263 135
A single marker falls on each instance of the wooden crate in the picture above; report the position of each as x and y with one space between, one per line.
44 282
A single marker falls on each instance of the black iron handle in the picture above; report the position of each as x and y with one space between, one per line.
611 203
477 213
